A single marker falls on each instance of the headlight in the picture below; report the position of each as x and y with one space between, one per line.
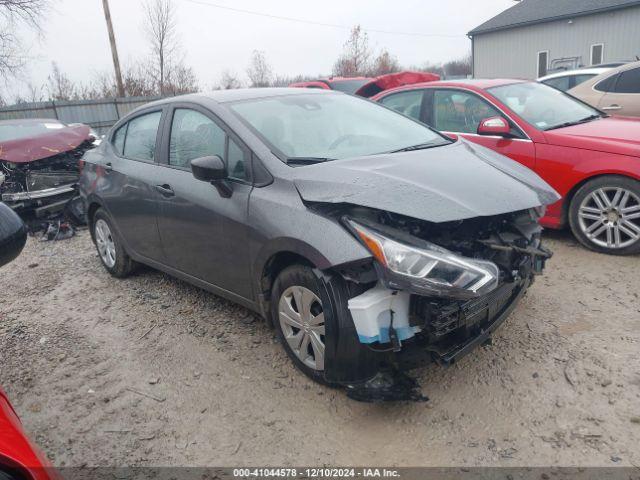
427 269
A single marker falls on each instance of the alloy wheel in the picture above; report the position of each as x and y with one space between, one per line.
104 242
302 321
610 217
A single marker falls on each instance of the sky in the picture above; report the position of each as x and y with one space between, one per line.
215 39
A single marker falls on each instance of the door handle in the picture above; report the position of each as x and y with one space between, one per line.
165 190
614 106
108 167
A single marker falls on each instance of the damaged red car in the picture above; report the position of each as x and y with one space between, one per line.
367 86
39 166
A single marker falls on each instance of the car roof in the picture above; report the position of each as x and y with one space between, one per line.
474 83
578 71
239 94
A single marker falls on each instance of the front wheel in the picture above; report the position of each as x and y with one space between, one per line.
604 215
298 316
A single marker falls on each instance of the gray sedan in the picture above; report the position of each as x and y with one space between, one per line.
372 242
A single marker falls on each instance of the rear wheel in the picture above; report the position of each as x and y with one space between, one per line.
605 215
298 316
109 246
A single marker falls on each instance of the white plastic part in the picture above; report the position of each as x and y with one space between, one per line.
371 313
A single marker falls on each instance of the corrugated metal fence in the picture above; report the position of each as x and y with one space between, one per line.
99 114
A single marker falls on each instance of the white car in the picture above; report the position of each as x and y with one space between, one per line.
567 79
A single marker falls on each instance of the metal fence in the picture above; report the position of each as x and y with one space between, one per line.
98 114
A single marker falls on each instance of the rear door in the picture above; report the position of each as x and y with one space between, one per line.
204 234
623 96
128 188
459 112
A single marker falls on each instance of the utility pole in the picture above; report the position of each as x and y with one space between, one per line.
114 50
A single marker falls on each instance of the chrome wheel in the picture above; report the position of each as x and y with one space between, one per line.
105 243
610 217
302 322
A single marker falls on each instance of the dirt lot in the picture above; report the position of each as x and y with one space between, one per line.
152 371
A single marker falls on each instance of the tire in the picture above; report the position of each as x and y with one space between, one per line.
295 299
109 246
604 215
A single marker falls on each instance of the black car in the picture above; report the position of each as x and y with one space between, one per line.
370 241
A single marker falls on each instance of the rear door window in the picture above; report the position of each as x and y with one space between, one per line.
140 139
561 83
628 81
409 103
578 79
607 85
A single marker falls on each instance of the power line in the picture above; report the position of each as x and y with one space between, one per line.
320 24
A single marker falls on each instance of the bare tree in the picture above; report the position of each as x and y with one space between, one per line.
384 63
430 67
15 14
259 71
35 93
139 81
228 81
286 80
458 68
180 79
160 27
59 85
355 59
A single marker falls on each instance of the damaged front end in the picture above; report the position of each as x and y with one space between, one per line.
39 175
433 292
41 188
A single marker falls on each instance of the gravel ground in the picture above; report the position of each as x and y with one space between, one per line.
152 371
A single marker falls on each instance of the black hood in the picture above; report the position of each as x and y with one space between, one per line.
440 184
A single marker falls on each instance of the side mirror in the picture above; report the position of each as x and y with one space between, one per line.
494 126
213 170
13 234
209 169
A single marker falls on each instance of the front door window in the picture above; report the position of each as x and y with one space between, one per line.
459 112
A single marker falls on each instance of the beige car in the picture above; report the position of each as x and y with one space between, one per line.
616 91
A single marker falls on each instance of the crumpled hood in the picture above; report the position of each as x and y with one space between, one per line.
440 184
24 150
619 135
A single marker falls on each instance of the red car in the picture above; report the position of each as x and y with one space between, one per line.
19 459
590 158
367 87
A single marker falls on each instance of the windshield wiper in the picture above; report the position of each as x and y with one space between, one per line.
306 160
420 146
576 122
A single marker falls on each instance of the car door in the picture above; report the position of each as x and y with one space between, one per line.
459 112
204 234
128 189
623 98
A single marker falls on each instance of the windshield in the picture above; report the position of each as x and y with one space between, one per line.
542 106
332 126
27 129
348 86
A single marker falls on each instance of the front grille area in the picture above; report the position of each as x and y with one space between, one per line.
439 319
